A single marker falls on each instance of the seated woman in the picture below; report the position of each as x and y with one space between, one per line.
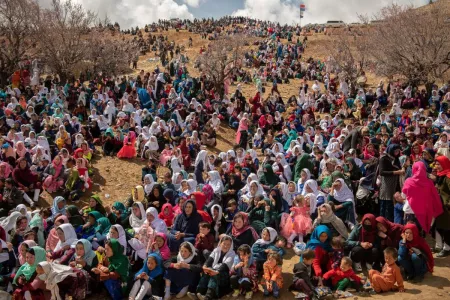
343 199
101 232
241 232
414 254
95 204
364 244
137 217
87 231
114 270
63 251
26 282
74 216
185 227
320 242
25 179
118 214
17 235
389 233
215 281
262 214
183 272
328 218
53 239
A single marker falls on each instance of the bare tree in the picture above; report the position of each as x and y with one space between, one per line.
18 19
221 59
413 43
63 35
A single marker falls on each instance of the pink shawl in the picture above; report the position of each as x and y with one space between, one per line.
243 126
7 170
53 238
57 167
164 250
422 196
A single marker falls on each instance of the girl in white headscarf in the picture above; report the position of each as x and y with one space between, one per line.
344 201
149 182
175 165
137 217
151 149
117 232
215 181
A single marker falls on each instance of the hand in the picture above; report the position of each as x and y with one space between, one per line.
213 273
10 247
96 271
337 207
104 269
206 270
382 234
155 246
155 203
101 249
108 209
267 250
72 264
365 245
80 261
239 265
403 235
401 290
267 208
184 265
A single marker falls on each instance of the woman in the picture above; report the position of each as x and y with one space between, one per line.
364 244
54 175
200 166
327 217
241 232
185 227
422 196
269 179
442 165
414 254
262 214
343 200
320 242
25 179
390 169
389 233
215 181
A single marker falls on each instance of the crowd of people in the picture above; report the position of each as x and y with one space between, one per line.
358 188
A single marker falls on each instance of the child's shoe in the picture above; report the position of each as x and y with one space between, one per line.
236 293
249 295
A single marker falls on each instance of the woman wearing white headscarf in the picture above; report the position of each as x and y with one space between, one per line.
175 165
200 165
151 149
343 199
117 232
215 181
136 221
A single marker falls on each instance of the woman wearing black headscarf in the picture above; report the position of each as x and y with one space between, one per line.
232 188
389 170
185 226
156 197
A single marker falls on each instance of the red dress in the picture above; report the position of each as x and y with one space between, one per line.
128 150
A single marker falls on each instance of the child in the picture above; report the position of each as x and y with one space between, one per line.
219 224
273 279
232 210
297 223
341 277
160 247
338 252
261 247
303 274
13 196
63 251
167 214
244 277
398 209
149 280
278 246
385 281
204 241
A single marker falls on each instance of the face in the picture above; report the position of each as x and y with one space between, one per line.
389 259
238 223
253 188
225 245
92 202
156 192
151 264
136 211
303 175
79 249
265 235
30 258
60 234
184 252
323 237
280 244
159 241
409 235
113 233
367 222
291 187
272 262
344 266
437 166
108 250
23 164
23 224
380 227
189 208
23 250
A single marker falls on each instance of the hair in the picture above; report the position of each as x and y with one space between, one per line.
275 256
392 252
31 251
232 202
9 181
204 225
46 212
186 246
244 249
308 254
225 238
281 238
299 199
346 260
337 242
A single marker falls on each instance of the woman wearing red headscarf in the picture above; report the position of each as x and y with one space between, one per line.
442 166
422 196
414 254
390 233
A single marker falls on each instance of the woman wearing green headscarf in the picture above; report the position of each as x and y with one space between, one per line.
118 214
27 274
101 231
269 179
292 137
37 222
262 214
114 270
304 161
88 229
95 204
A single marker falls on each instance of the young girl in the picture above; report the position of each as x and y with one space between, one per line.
149 280
305 175
182 271
219 225
167 214
114 270
273 279
160 247
215 281
52 239
128 150
244 276
261 247
63 251
101 232
297 223
117 232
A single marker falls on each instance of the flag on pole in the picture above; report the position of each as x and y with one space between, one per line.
302 7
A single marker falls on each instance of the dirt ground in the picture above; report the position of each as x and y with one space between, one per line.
113 178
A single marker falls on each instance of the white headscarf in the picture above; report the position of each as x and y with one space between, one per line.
122 237
216 182
201 156
217 223
149 187
312 202
227 259
175 165
70 236
286 194
136 222
272 234
53 274
157 224
189 259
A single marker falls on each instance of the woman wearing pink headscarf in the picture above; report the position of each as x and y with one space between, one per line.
5 170
243 126
422 196
128 150
54 173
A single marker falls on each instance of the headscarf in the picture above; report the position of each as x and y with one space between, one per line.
272 236
157 271
422 196
164 250
7 171
269 177
10 222
157 224
149 187
445 164
315 241
55 273
76 219
419 243
70 236
344 194
368 235
208 191
394 231
118 262
200 199
89 253
122 237
227 259
135 221
55 209
167 218
215 182
185 223
103 226
189 259
28 270
330 218
237 232
30 244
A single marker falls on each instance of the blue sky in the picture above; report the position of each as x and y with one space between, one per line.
140 12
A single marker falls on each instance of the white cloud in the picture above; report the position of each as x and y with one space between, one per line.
317 11
193 3
135 12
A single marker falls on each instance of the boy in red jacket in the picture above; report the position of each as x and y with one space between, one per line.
204 241
343 277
